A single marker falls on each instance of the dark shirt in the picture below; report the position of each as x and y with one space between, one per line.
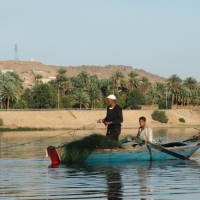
114 115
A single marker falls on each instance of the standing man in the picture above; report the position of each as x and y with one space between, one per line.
113 119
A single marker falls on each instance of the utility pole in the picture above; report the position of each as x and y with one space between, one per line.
166 99
16 52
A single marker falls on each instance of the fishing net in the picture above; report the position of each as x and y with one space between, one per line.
79 150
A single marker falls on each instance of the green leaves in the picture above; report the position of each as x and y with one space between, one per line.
85 90
118 78
82 99
135 98
10 88
44 96
159 116
152 94
21 104
133 82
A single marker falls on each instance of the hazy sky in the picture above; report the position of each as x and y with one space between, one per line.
159 36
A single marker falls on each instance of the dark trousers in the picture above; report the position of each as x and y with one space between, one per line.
113 132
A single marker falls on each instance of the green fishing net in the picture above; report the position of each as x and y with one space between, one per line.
79 150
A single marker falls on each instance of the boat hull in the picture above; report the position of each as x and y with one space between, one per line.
127 155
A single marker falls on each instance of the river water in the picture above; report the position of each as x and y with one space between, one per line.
26 174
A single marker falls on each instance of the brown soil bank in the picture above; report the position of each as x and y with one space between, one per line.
79 118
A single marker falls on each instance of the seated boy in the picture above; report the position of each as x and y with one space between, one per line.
144 132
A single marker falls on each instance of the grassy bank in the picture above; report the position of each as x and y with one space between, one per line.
6 129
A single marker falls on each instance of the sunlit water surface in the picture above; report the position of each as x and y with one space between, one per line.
26 174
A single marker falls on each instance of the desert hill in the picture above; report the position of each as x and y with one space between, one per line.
26 71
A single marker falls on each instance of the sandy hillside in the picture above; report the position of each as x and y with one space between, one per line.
26 70
77 118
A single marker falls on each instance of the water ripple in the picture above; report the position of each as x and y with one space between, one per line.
25 175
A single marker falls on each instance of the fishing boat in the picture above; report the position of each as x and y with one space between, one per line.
150 152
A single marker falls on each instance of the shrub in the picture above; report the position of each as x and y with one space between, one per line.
22 104
162 104
182 120
1 122
159 116
135 99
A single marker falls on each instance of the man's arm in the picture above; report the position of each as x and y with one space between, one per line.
103 120
149 134
138 133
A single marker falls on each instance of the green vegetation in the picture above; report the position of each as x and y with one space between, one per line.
135 98
159 116
1 122
5 129
82 99
77 151
44 96
21 104
10 89
88 91
182 120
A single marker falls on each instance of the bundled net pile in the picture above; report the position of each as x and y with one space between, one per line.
78 151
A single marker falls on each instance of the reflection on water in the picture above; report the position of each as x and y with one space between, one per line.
114 183
25 174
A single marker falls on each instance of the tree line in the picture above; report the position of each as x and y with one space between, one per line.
88 91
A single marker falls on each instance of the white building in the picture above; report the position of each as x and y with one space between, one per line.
31 60
46 80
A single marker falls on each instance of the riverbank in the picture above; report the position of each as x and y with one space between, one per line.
73 119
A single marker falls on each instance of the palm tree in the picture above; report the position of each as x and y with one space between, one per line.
62 83
118 78
94 94
152 94
84 77
17 80
161 88
10 88
107 83
174 84
184 95
62 71
133 82
38 78
144 85
94 79
195 97
64 87
76 83
61 76
6 78
82 99
9 93
191 83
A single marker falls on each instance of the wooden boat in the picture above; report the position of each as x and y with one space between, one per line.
143 153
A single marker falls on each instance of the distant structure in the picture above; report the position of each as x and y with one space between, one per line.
16 52
46 80
31 60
